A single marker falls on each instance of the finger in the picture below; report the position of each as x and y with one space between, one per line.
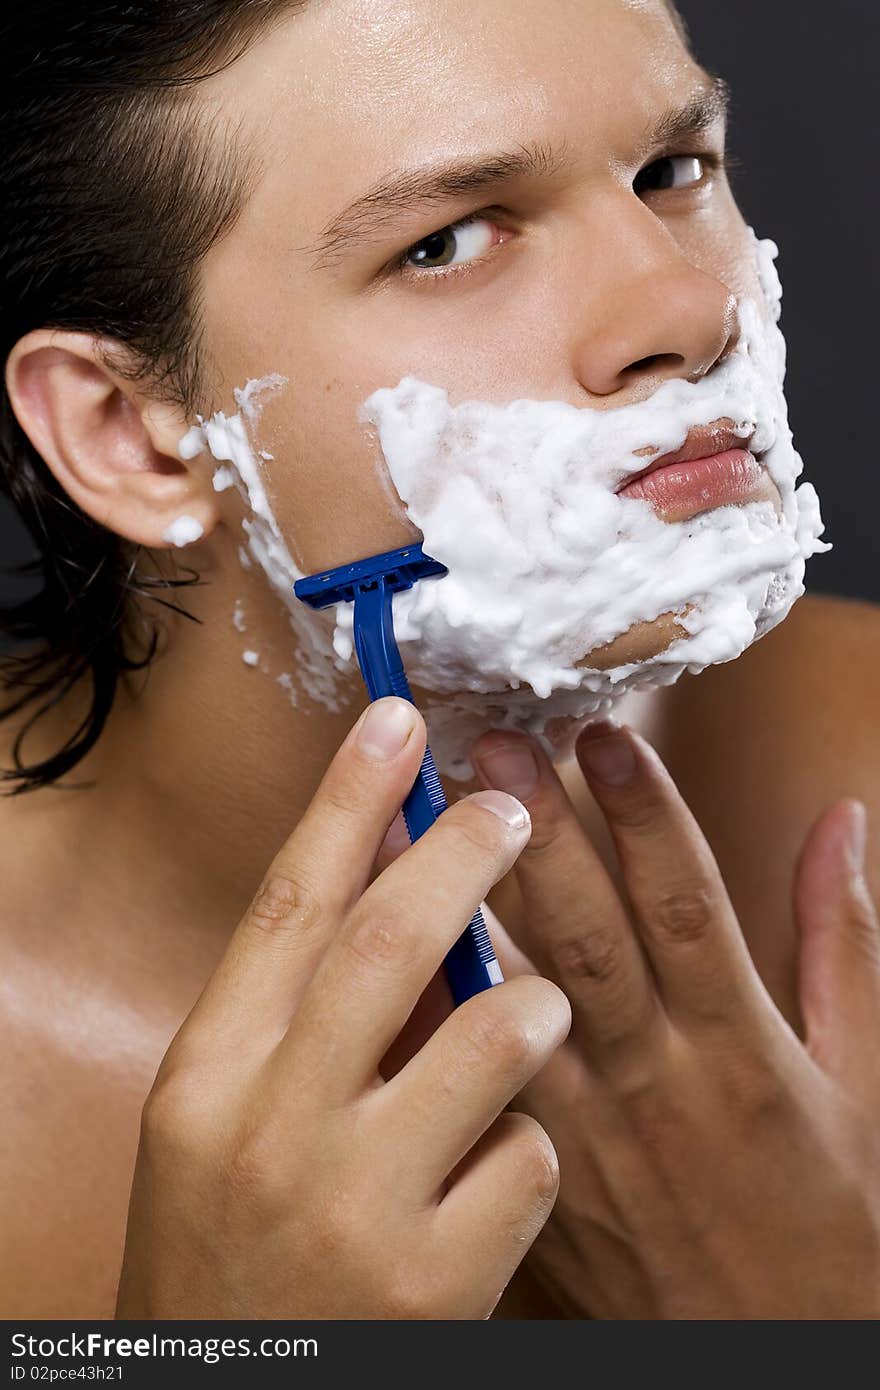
435 1003
315 876
579 931
496 1208
683 913
550 1094
437 1107
839 964
396 937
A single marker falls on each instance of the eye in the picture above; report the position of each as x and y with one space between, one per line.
452 245
674 171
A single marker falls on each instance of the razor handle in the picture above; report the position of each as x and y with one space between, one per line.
470 965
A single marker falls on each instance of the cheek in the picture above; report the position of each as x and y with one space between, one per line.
330 488
326 481
723 247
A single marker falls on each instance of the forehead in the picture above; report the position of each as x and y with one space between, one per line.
337 95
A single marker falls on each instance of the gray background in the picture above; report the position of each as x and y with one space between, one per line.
804 78
804 123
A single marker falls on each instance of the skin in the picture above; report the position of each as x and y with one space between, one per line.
329 102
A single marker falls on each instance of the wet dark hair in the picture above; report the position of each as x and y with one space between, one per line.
112 191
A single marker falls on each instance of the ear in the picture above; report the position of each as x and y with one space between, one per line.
112 448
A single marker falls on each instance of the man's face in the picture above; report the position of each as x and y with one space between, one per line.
584 279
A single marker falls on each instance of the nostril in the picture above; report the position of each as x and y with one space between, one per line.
657 360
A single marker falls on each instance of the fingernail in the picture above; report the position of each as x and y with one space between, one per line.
385 728
597 728
505 807
609 756
858 834
512 767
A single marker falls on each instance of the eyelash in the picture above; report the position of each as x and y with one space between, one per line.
710 158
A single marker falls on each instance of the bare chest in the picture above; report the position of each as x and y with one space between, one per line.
71 1106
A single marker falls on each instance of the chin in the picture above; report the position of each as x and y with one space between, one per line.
641 642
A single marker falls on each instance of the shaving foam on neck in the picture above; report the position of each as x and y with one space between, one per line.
547 563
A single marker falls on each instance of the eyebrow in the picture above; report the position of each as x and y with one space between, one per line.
417 189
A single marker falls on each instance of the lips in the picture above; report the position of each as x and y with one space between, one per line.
703 441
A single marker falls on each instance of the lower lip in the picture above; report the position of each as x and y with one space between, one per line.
723 480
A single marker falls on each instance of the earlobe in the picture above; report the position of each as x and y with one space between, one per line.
112 449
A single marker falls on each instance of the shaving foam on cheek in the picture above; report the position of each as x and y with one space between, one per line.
317 666
547 563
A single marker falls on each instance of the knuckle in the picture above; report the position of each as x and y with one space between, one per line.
635 1074
592 956
640 814
413 1296
173 1113
336 1227
651 1087
284 901
652 1114
161 1117
250 1167
382 938
350 796
754 1090
500 1041
537 1166
635 1083
682 914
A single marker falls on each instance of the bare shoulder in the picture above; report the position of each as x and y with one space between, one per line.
789 727
803 699
834 644
761 746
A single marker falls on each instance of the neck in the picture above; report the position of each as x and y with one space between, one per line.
203 768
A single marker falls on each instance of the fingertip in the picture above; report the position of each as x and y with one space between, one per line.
385 728
509 761
506 808
833 853
549 1006
839 955
857 834
562 1004
606 752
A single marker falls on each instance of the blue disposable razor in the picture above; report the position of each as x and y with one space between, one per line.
371 584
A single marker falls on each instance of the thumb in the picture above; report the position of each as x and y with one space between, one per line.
839 966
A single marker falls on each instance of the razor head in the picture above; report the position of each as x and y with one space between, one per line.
396 570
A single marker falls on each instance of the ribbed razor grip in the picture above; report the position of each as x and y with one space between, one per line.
470 965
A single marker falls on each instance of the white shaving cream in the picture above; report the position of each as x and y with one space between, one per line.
226 438
183 531
547 563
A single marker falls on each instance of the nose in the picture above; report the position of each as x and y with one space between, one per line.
655 315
